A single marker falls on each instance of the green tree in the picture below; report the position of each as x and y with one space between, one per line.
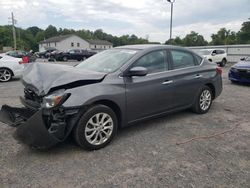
50 31
224 37
244 33
194 39
176 41
34 30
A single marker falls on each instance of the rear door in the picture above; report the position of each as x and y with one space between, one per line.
151 94
186 75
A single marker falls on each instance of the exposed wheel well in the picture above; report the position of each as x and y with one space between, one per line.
211 86
114 107
8 69
224 59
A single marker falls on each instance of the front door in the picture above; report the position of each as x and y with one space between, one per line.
151 94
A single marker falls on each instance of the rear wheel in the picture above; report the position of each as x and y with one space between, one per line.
203 101
5 75
96 128
223 62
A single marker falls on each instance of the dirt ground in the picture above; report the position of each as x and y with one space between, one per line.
143 155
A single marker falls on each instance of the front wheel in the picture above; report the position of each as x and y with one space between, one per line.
5 75
96 128
203 101
65 58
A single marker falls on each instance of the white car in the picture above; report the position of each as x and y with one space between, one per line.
218 56
10 67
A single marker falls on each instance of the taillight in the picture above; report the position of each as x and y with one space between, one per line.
219 70
25 59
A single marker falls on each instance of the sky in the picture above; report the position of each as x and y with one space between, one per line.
144 18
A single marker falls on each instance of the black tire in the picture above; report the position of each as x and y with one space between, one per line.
5 75
65 58
80 129
197 107
223 62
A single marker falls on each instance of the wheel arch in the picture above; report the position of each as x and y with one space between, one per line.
12 73
211 86
114 106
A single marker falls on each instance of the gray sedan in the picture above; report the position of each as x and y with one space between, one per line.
112 89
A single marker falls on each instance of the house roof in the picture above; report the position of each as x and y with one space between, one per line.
62 37
98 42
56 38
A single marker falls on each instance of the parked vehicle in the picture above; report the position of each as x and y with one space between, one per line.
218 56
111 89
73 54
10 67
26 56
240 72
45 53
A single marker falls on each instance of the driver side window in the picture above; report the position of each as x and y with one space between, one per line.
154 62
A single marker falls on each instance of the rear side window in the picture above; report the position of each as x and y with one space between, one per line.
154 62
182 59
198 59
0 57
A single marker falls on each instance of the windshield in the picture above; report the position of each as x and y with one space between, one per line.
108 60
205 52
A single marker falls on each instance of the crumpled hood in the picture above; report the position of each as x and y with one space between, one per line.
42 77
242 64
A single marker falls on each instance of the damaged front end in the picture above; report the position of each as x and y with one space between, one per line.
40 125
44 121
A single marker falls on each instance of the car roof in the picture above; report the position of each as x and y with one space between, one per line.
149 47
210 49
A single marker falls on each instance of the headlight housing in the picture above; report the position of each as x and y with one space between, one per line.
55 99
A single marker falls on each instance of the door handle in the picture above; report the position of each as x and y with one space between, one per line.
167 82
198 76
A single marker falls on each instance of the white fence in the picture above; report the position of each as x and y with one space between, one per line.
234 52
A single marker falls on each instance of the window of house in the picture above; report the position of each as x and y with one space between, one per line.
95 46
55 44
49 44
153 62
72 44
78 44
182 59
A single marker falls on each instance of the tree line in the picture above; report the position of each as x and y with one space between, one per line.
29 38
222 37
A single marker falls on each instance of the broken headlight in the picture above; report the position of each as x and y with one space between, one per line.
55 99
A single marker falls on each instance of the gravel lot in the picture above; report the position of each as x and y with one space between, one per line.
143 155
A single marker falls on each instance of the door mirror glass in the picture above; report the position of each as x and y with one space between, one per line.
243 59
138 71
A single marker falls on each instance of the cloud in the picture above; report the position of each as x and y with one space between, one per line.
140 17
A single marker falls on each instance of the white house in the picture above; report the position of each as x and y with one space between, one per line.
66 42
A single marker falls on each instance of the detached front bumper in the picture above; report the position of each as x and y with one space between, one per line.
31 128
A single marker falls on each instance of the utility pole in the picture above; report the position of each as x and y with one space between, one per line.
171 19
13 22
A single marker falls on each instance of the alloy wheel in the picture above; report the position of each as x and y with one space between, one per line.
99 128
205 100
5 75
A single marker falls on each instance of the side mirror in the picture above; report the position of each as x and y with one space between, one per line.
137 71
213 54
243 59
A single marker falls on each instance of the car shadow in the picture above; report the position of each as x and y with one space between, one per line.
69 144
